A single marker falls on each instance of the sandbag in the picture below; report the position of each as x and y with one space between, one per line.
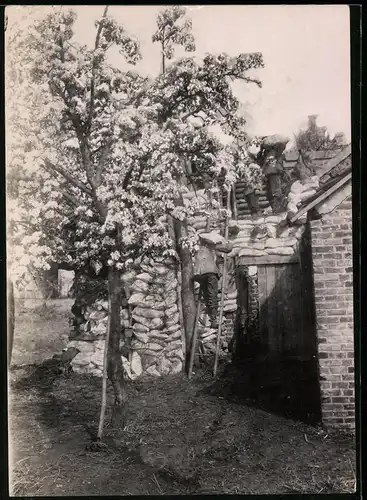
230 307
142 337
297 187
234 252
280 251
176 353
293 197
173 320
176 367
98 315
170 276
160 270
173 345
169 286
136 299
283 232
146 277
128 278
173 336
255 245
103 304
99 345
307 194
82 346
170 298
97 358
159 335
250 252
140 286
209 338
275 242
211 238
275 219
164 366
245 232
137 327
125 323
275 141
150 346
152 370
145 312
135 364
151 323
124 314
291 207
171 311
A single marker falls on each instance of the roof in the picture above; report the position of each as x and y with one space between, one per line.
334 174
318 158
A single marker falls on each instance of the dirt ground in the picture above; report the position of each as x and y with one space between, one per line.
179 436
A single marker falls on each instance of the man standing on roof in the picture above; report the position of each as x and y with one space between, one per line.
270 158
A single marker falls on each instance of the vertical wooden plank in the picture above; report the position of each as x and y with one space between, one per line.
282 304
272 298
295 341
263 312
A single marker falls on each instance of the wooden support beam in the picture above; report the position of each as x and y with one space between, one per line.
321 198
266 260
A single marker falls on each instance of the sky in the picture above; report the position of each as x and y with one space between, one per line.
306 50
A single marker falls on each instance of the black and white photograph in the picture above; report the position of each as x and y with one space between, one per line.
179 250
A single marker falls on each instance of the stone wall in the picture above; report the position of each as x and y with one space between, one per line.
333 287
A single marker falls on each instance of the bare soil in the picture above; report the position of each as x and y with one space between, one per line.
178 437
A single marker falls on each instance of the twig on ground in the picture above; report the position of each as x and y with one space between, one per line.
156 480
354 474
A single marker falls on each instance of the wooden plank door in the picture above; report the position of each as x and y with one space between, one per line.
284 319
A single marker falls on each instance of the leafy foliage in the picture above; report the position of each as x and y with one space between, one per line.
315 138
97 154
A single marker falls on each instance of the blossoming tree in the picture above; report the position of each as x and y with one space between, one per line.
105 153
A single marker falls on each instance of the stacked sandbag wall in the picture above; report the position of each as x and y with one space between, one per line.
157 331
153 335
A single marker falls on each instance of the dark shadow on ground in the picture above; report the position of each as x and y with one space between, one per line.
284 386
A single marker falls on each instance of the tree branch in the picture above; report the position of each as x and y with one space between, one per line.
68 196
106 149
55 168
93 80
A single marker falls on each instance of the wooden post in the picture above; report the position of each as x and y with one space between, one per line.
223 288
194 336
11 318
104 377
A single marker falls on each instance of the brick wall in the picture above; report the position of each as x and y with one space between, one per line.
333 285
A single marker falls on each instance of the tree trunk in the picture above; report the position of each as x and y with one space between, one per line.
11 318
114 362
187 285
